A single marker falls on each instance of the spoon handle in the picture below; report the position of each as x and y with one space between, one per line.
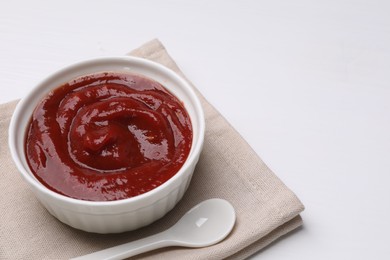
130 249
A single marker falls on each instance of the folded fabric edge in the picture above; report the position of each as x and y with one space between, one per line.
267 240
7 109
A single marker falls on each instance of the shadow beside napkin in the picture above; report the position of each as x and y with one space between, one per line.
228 168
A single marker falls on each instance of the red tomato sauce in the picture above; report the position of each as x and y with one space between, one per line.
108 136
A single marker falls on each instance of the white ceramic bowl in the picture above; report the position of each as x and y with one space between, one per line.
120 215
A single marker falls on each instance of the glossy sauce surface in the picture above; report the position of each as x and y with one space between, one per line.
108 136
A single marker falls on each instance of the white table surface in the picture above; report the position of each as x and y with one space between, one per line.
306 83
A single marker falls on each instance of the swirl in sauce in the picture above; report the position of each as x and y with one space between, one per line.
108 136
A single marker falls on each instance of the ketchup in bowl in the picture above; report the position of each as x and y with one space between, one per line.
107 136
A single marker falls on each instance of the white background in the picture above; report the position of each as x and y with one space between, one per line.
306 83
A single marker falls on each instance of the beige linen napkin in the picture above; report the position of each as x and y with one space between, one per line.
228 168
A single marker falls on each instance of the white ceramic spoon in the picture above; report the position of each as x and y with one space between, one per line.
206 224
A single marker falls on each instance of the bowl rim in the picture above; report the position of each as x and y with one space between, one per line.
191 159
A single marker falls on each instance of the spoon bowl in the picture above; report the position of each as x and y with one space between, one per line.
206 224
